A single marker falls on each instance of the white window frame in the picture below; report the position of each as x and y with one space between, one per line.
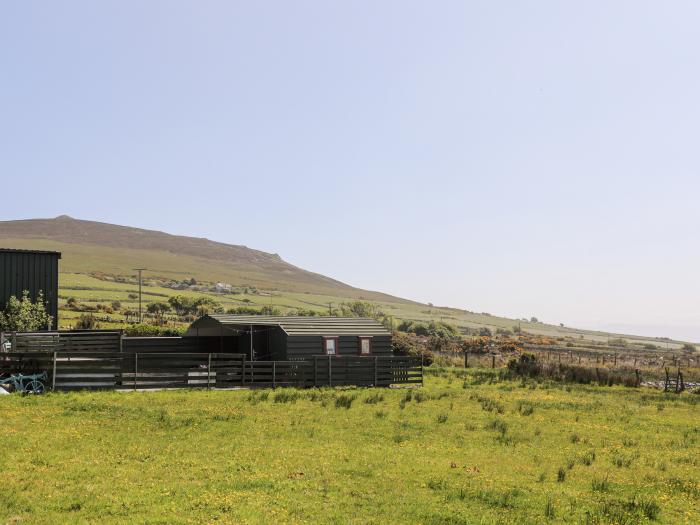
336 345
360 340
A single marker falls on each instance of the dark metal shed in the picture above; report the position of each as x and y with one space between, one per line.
291 338
31 270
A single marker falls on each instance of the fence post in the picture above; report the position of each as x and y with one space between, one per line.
209 372
121 340
243 371
14 342
422 377
376 370
274 373
493 360
136 368
330 381
315 371
53 378
466 359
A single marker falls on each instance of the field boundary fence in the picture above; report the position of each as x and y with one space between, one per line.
85 370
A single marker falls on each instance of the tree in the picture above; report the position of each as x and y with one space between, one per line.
23 315
181 304
72 303
133 296
116 305
687 347
206 305
158 310
359 309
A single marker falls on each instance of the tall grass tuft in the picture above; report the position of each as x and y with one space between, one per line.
600 485
345 400
561 475
549 512
286 396
375 398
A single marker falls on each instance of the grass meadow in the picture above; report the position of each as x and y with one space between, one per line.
465 449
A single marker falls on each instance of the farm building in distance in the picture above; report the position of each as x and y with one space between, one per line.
31 270
292 338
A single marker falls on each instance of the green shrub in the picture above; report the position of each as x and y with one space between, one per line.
149 330
25 315
87 322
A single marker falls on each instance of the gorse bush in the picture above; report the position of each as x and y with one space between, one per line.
87 322
411 345
527 365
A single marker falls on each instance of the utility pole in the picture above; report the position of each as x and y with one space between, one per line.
140 311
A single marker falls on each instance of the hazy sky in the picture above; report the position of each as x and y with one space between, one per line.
522 158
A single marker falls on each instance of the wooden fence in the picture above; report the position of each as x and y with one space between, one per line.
141 371
66 341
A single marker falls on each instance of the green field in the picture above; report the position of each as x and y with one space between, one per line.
90 290
464 449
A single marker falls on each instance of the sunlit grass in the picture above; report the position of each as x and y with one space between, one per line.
442 454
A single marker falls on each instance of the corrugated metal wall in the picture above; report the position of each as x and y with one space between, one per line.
33 272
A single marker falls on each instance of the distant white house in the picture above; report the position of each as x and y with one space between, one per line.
223 287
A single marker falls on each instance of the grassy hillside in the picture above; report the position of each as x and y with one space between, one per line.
93 246
94 253
462 450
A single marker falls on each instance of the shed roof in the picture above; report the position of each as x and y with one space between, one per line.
30 252
303 325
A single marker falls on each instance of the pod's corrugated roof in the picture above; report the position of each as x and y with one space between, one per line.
300 325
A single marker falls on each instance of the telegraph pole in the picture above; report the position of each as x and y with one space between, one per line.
140 311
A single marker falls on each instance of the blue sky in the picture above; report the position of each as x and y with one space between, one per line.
521 158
